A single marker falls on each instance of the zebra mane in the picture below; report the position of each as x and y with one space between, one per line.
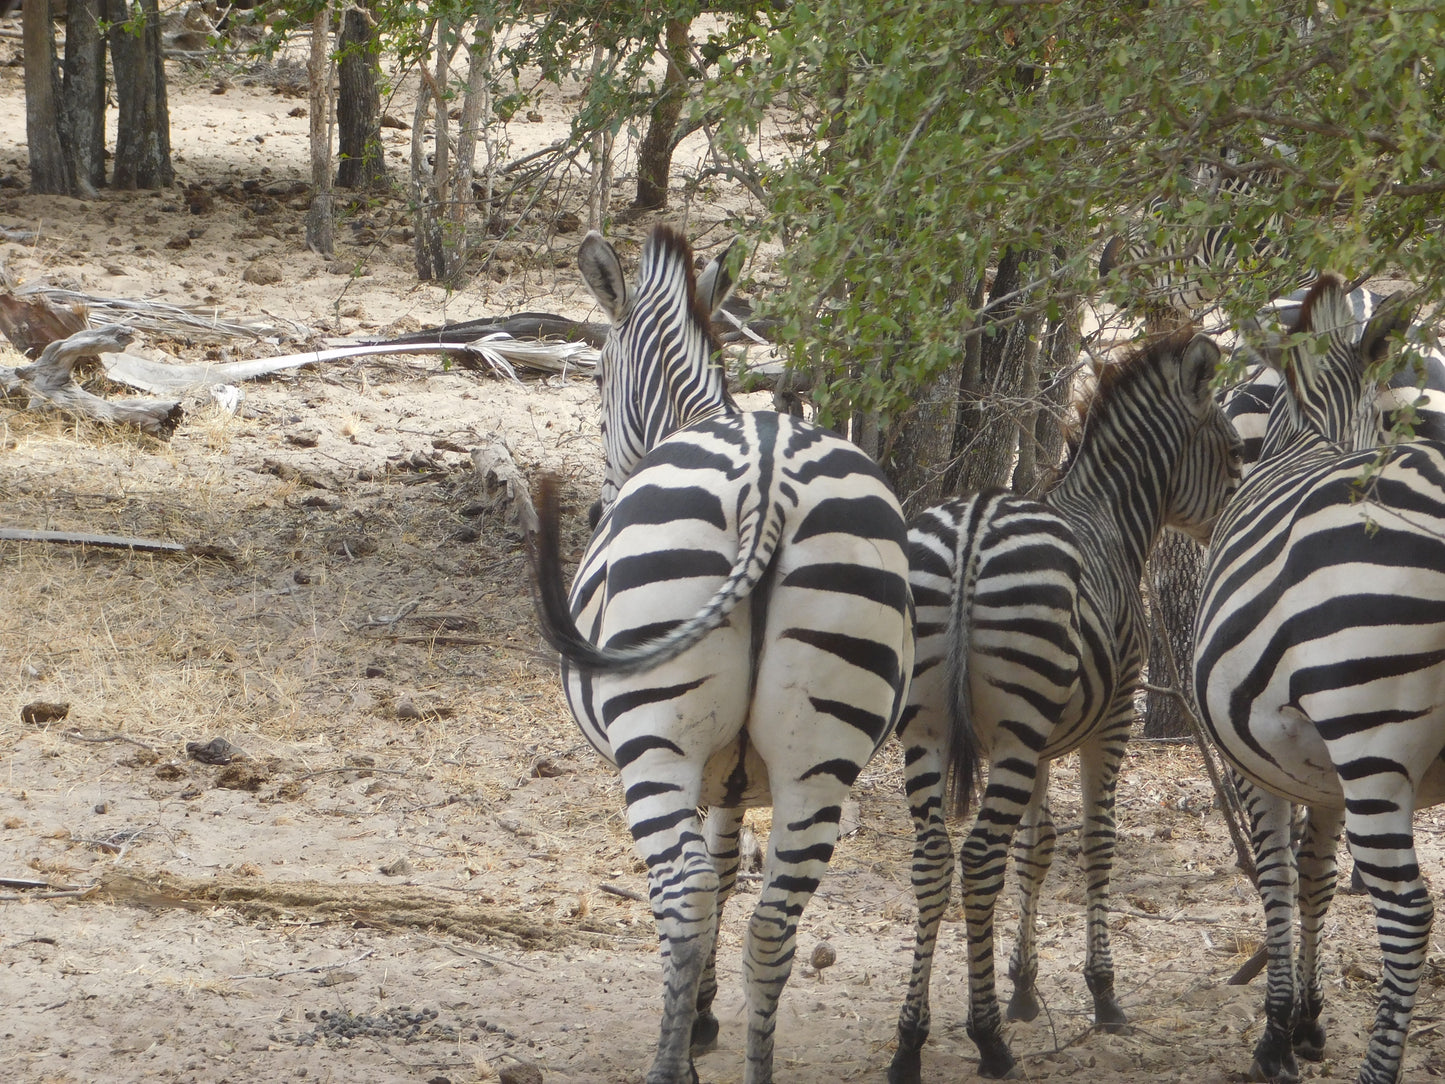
1114 380
1325 309
666 246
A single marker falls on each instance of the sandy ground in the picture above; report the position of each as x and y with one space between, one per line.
419 872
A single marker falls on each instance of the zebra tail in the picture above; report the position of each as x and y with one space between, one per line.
559 627
962 765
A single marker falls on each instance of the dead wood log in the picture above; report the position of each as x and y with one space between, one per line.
50 384
33 325
116 541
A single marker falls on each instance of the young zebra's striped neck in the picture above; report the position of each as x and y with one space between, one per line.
1154 451
659 369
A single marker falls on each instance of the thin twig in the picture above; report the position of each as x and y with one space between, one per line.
317 969
625 893
101 739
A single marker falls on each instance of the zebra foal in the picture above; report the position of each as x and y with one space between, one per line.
739 633
1031 638
1319 668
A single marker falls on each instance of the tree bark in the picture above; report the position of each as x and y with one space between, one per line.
143 145
654 157
318 217
83 94
50 169
1174 573
358 105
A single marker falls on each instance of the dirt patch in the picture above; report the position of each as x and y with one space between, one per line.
403 877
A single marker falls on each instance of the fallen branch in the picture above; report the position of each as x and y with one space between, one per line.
50 384
313 970
113 541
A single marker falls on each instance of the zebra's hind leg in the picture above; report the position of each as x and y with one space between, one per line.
722 828
1099 760
1033 857
1381 837
1014 775
682 889
932 885
1274 860
804 833
1316 891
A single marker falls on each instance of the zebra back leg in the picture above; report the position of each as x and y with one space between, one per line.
1015 778
1382 840
1033 857
1317 870
722 827
1270 820
932 876
1099 761
804 833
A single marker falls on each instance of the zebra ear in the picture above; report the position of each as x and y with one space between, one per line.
716 281
1259 345
1393 316
1200 359
602 272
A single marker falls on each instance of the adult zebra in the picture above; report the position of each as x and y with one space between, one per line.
1173 283
740 631
1031 636
1320 668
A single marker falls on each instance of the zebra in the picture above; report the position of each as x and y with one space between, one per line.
1180 281
1418 386
1319 668
739 633
1031 636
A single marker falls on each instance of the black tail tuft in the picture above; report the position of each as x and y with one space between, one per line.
549 592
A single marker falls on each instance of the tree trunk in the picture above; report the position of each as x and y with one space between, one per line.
318 70
50 169
599 184
143 145
83 94
654 157
986 438
1174 573
358 106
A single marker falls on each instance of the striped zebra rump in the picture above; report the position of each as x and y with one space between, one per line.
1320 671
739 632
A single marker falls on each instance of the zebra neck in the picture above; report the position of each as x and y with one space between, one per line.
1116 499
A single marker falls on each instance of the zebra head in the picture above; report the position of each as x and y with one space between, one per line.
1209 467
659 369
1333 369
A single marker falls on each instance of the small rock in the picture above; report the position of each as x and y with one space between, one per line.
406 709
336 978
180 240
519 1074
102 807
262 273
547 768
303 438
41 712
215 751
374 671
400 868
300 577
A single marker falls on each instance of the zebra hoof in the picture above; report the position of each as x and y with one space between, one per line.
704 1033
994 1060
1023 1005
1309 1040
1274 1061
906 1067
1108 1016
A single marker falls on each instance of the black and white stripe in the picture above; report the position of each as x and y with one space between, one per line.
1320 668
1175 272
739 633
1031 636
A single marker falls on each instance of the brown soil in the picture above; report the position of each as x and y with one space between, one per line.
419 872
